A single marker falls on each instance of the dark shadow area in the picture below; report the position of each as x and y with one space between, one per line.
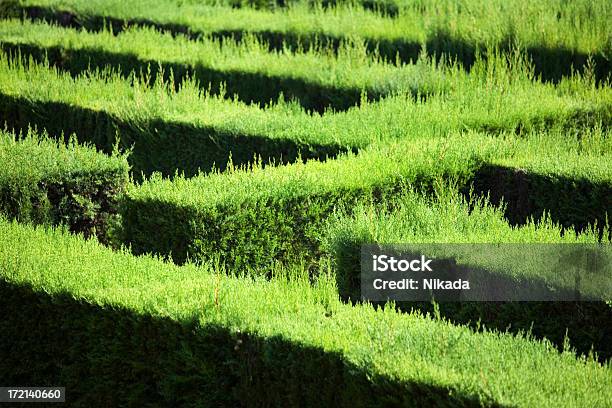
551 64
573 203
157 145
388 8
111 356
587 324
249 87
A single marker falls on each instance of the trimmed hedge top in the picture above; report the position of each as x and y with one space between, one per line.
316 78
546 24
379 165
188 129
405 357
458 155
45 181
33 159
447 218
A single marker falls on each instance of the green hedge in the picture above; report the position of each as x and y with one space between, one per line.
316 79
187 130
574 190
42 181
165 130
251 218
446 219
450 218
120 330
556 35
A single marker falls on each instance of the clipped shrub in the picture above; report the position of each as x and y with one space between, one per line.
450 218
246 70
251 218
189 130
46 182
558 37
122 330
566 176
576 201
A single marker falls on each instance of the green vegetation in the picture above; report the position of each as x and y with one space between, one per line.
570 184
556 34
223 161
167 335
315 78
42 181
251 218
449 218
452 220
572 177
188 129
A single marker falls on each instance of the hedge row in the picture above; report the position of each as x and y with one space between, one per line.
451 219
574 189
252 218
122 330
386 7
557 36
316 79
167 131
445 218
187 130
44 182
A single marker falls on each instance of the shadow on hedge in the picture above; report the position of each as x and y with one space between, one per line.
157 145
551 64
586 324
572 203
249 87
111 356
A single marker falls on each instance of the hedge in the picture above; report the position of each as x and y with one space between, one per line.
573 189
453 219
315 78
254 217
44 182
446 219
558 37
187 130
122 330
251 218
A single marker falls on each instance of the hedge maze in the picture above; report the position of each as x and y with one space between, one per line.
185 187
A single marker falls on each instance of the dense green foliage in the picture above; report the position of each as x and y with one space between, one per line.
315 78
569 179
441 219
160 334
251 218
556 34
449 218
258 144
42 181
188 129
577 174
254 217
